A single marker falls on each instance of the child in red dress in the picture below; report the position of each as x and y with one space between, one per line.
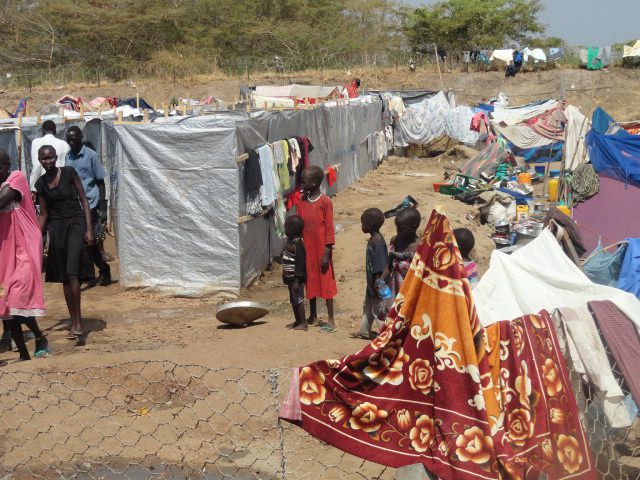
319 237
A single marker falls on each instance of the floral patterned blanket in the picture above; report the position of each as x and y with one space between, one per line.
436 388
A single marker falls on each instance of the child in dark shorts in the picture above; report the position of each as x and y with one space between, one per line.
376 260
294 269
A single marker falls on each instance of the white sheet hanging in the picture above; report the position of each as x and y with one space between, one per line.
575 130
504 55
423 122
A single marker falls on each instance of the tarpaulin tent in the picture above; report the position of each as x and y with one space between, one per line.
434 117
180 189
531 131
552 281
615 154
611 215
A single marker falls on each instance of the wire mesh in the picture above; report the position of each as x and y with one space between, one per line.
160 419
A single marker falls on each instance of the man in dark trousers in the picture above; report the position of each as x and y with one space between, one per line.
87 164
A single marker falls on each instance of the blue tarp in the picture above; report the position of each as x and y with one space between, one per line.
616 155
548 153
629 279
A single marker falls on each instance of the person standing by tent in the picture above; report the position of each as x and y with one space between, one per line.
48 138
87 165
64 204
352 88
318 236
21 296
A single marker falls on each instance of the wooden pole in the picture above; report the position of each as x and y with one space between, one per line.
82 111
39 119
120 116
145 115
165 109
19 141
137 100
435 48
184 110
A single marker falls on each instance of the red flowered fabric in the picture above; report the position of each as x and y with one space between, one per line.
436 388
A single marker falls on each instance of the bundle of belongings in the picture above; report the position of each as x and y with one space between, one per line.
437 388
267 177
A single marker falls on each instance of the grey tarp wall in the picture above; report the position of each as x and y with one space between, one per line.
180 192
8 143
178 204
91 129
339 135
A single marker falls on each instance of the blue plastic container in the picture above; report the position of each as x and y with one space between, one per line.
554 173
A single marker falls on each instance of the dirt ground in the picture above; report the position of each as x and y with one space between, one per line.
127 326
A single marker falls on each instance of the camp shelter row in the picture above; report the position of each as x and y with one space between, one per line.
177 188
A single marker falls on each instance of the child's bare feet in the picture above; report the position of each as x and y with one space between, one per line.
301 326
292 325
312 320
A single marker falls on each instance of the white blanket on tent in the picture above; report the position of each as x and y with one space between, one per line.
539 276
575 130
423 122
458 126
504 55
515 115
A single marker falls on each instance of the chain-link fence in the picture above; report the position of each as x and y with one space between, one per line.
158 419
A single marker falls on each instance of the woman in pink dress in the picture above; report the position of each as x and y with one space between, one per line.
21 298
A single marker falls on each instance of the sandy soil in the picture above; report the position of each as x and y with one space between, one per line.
129 325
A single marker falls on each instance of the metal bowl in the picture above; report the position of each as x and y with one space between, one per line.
241 314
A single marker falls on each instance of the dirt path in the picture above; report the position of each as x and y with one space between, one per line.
127 326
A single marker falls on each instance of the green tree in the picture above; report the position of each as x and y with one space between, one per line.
466 24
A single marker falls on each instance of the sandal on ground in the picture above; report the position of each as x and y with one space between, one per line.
43 349
328 329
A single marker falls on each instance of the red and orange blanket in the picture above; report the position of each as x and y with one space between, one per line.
436 388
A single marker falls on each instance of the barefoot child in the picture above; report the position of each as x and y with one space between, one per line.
376 263
294 269
466 242
403 247
318 236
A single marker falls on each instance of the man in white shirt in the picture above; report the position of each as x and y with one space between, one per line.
48 138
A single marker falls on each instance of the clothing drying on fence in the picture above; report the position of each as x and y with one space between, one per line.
580 341
433 388
622 340
267 174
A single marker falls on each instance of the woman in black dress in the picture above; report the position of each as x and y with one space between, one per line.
64 205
